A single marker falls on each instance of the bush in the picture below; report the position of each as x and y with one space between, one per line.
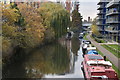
99 40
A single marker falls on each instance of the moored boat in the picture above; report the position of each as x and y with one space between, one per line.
95 67
85 45
88 48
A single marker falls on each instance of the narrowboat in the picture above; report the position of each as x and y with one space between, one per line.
85 45
87 48
95 67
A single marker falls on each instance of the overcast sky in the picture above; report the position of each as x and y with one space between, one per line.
87 8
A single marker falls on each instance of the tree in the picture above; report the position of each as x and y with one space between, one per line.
94 28
76 20
55 17
9 15
34 29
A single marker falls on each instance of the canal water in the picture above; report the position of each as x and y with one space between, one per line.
57 60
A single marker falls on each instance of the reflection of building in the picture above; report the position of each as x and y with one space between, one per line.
71 56
109 19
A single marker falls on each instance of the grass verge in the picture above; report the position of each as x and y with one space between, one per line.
85 37
112 51
113 66
115 46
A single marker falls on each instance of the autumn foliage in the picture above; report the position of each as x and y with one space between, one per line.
28 27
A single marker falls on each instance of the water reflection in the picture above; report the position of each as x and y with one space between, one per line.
51 59
74 52
57 60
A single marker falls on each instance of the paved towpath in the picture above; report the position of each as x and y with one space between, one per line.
107 53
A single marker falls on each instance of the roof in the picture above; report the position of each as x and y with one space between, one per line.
112 3
99 62
97 57
91 48
92 52
87 24
97 69
104 76
85 45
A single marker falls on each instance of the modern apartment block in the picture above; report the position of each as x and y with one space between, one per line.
33 3
113 20
101 23
109 19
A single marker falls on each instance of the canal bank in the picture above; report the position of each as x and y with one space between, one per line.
114 60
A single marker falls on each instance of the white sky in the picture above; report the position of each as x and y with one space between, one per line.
87 8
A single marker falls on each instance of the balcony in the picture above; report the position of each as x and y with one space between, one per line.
100 29
100 18
112 31
112 21
100 23
112 12
101 13
102 1
100 7
112 3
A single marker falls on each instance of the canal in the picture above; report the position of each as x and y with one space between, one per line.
57 60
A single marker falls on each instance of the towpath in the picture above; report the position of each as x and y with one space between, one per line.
108 54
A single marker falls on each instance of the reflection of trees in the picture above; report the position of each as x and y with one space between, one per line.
72 50
75 45
51 59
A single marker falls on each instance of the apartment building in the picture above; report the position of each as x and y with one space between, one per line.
109 19
101 23
113 20
33 3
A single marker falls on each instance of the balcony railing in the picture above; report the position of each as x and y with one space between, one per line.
113 2
112 20
100 7
100 23
100 29
100 18
110 12
101 12
113 31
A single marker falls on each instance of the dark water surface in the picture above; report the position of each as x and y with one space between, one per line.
57 60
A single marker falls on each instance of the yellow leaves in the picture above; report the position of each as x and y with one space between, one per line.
34 28
28 29
9 31
10 15
95 29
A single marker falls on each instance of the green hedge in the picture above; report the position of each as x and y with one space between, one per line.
99 40
112 50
